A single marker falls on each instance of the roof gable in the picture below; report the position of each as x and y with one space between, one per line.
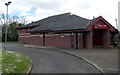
101 20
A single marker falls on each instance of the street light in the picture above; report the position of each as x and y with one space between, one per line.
116 23
8 3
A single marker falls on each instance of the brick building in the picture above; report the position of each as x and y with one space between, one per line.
68 30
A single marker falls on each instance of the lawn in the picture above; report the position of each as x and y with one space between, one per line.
13 62
0 61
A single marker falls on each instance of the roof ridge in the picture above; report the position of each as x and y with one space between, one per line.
60 14
67 13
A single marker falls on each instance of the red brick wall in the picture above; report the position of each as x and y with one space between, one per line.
89 40
80 41
55 40
106 39
36 40
58 41
24 39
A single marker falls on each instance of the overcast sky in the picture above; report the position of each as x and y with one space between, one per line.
37 9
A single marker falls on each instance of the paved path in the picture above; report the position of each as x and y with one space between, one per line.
48 61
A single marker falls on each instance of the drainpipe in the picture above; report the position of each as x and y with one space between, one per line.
43 38
72 39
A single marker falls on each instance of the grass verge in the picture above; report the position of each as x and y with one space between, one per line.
13 62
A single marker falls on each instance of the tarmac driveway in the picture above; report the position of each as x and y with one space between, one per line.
106 59
48 61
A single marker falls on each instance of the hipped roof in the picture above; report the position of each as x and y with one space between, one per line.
66 21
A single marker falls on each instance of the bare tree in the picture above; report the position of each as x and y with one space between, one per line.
12 19
2 19
23 20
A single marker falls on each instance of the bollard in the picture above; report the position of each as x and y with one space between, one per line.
5 47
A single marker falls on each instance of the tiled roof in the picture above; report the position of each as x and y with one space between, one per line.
66 21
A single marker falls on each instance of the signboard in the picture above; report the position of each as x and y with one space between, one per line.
99 26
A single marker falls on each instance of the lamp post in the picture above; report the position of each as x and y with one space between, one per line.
116 23
6 31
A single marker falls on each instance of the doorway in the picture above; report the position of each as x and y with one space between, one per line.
98 37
